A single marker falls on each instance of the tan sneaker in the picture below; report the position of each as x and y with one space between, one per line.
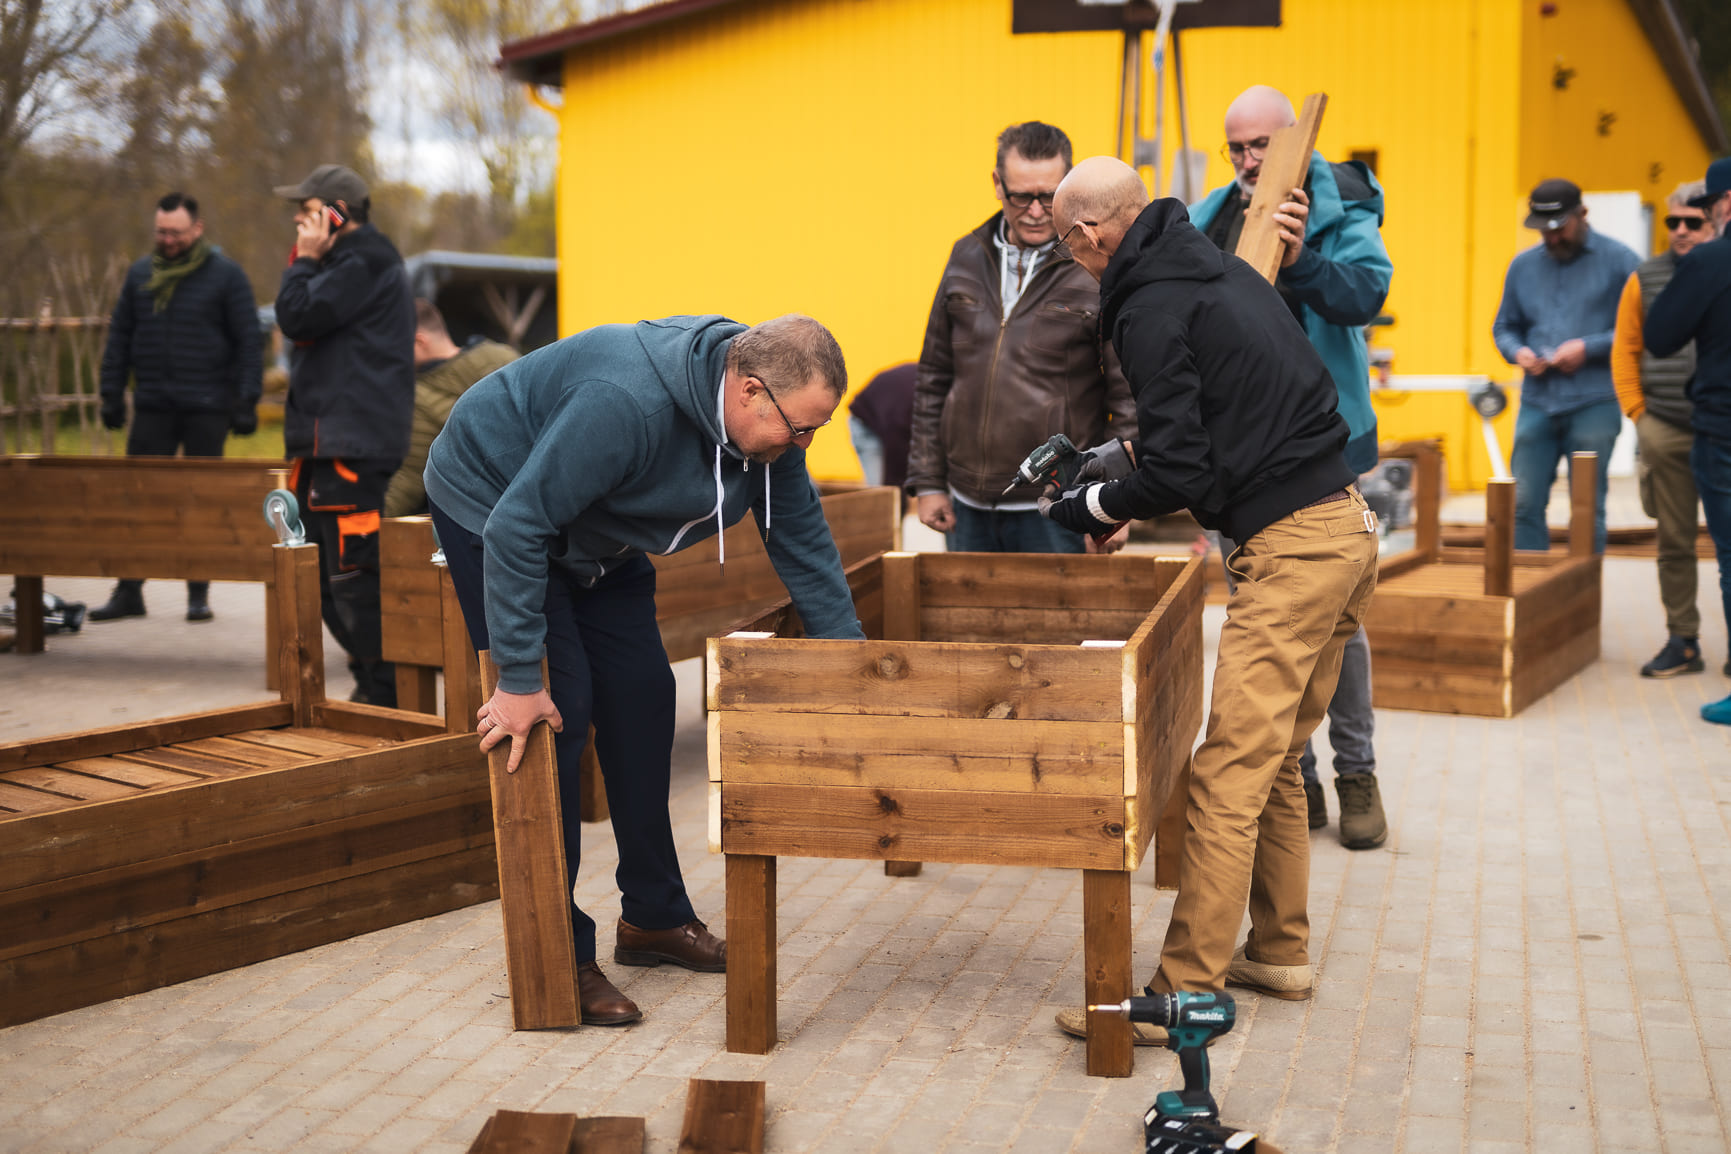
1292 983
1141 1033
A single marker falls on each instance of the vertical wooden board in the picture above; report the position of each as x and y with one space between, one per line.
901 584
1106 918
535 897
1283 169
462 667
1499 538
1163 674
27 620
723 1118
300 630
417 688
1583 503
750 953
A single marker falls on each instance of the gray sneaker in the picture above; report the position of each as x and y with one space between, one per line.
1362 824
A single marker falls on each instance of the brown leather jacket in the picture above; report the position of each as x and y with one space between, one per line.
991 388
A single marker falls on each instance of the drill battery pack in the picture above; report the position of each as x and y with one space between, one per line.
1167 1135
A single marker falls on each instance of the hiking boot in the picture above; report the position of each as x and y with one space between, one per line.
127 600
1075 1022
1362 825
1289 983
1680 655
1316 801
1718 712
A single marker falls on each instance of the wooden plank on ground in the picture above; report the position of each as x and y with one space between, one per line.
121 738
1284 168
608 1135
521 1132
723 1118
534 888
1060 831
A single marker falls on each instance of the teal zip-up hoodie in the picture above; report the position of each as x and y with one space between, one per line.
608 444
1341 280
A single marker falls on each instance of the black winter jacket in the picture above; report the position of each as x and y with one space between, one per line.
200 354
1696 306
1235 409
351 317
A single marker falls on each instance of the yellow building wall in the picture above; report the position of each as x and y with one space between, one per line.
798 155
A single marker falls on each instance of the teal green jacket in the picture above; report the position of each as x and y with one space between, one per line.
1341 280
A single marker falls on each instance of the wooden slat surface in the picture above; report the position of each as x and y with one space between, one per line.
1053 830
1036 581
70 783
723 1118
119 738
997 625
245 752
129 772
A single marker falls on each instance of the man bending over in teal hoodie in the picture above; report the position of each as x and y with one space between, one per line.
552 479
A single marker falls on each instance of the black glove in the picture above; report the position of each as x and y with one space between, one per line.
114 411
244 421
1070 509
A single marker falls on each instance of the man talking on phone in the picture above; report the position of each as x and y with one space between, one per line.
346 303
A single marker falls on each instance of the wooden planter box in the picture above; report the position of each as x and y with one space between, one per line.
1484 631
1008 710
143 855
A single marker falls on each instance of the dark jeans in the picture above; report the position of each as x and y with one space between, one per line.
606 667
1541 440
991 531
340 503
163 434
1710 460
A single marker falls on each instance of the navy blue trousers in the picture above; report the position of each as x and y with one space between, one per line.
606 666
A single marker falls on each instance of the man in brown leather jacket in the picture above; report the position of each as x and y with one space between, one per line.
1012 354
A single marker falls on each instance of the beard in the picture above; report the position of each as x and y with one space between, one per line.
166 253
1246 188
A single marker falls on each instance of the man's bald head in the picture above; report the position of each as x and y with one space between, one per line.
1255 116
1095 206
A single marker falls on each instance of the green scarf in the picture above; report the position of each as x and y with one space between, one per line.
166 275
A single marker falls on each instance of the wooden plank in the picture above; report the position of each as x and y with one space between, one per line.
131 773
918 679
121 738
751 981
67 783
520 1132
993 755
28 625
1535 679
375 721
295 741
21 799
1500 537
249 804
901 577
202 764
1041 581
608 1135
1396 609
996 625
1106 920
457 654
1163 685
723 1118
902 869
98 903
417 688
245 752
342 737
1060 831
1284 167
84 973
300 655
535 895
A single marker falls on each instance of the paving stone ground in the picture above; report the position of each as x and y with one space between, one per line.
1537 960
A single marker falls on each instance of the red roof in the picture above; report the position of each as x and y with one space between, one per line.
540 59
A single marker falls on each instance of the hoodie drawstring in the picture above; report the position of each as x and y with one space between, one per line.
720 526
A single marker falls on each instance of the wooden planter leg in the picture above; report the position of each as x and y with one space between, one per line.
1500 538
417 688
27 614
1106 969
750 953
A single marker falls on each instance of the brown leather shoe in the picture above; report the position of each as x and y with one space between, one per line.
602 1003
690 945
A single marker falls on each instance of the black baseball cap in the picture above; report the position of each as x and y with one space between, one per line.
1718 183
328 182
1551 203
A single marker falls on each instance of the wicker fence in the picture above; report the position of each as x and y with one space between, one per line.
49 367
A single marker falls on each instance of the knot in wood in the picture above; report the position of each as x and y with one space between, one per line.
1015 660
891 667
999 710
1113 829
888 803
886 841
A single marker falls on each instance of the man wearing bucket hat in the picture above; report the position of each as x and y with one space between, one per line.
346 304
1556 321
1696 306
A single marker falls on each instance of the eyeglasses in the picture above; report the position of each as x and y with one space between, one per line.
1024 199
791 427
1062 250
1692 223
1236 152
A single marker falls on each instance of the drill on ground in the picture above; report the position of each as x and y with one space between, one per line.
1186 1121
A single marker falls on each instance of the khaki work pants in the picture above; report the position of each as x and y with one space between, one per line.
1667 487
1303 588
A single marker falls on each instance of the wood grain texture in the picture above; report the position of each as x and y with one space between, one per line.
1162 678
723 1118
521 1132
534 890
751 970
121 738
1583 502
1057 830
1284 168
608 1135
1499 537
28 624
1106 918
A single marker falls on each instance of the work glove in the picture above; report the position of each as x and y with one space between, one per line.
1078 510
114 411
244 420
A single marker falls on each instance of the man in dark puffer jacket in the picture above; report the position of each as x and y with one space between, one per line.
186 329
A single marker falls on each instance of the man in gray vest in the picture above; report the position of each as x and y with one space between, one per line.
1653 391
